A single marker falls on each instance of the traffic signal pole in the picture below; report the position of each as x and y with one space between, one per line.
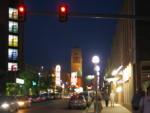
98 16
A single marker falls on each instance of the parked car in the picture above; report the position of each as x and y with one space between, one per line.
30 98
36 98
46 95
23 102
52 96
77 102
43 98
88 98
8 104
55 96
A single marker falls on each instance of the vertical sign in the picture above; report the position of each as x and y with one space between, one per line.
57 75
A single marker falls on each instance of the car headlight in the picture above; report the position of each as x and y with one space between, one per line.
5 105
21 103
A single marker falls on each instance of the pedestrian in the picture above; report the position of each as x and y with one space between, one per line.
112 98
136 99
144 105
99 98
106 97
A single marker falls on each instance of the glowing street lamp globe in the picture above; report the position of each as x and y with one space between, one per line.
95 59
97 68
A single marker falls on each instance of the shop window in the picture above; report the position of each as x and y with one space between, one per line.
12 66
12 54
13 27
13 13
13 41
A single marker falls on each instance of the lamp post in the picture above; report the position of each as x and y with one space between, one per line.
39 81
95 60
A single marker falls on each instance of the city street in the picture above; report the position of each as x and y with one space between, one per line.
52 106
93 51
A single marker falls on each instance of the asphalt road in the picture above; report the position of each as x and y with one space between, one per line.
52 106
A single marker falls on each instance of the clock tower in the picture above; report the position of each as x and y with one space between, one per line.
76 61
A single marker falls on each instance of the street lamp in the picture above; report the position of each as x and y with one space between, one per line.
39 81
96 60
42 67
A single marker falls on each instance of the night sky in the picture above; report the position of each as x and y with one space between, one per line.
48 42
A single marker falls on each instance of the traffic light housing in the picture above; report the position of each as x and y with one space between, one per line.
63 13
22 13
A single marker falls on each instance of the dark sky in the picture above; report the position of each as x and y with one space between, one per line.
48 42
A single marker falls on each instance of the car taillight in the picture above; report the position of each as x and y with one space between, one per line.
82 101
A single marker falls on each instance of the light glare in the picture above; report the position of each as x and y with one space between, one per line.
63 9
95 59
21 9
5 105
21 103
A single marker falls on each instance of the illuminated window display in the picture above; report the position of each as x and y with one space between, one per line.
12 54
12 66
13 41
13 27
73 78
13 13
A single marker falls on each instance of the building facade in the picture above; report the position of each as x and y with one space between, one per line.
76 61
11 42
76 68
129 60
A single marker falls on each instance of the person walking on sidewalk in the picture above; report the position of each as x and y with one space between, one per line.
99 98
144 105
106 97
112 98
136 99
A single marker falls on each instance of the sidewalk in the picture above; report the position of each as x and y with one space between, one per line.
117 109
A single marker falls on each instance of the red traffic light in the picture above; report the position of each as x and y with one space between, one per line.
21 9
22 13
63 13
63 9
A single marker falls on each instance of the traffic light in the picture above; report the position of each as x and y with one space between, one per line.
33 83
22 13
63 13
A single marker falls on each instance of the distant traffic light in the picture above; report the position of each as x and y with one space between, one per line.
33 83
22 13
63 13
